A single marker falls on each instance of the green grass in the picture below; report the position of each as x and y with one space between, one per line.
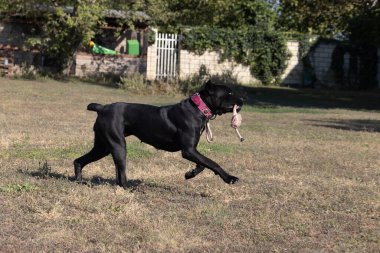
309 171
282 109
23 150
17 188
138 150
217 148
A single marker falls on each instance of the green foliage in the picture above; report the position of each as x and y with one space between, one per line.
63 33
172 15
326 18
195 82
132 82
240 30
263 49
358 20
365 27
151 36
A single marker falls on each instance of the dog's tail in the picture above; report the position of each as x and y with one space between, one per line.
95 107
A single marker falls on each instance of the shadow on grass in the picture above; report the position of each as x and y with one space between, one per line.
133 184
269 97
358 125
96 180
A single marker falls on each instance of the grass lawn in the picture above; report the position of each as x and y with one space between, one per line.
309 170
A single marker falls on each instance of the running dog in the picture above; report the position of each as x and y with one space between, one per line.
172 128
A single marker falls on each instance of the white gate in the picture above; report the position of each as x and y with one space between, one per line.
167 55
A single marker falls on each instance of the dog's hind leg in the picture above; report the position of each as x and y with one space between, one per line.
97 152
119 157
192 173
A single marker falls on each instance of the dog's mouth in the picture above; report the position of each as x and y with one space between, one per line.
231 107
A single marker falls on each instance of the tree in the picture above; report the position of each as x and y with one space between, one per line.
240 30
322 17
173 15
365 27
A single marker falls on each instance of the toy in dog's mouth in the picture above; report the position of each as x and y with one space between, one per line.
236 121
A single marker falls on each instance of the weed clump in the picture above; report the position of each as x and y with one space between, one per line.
44 170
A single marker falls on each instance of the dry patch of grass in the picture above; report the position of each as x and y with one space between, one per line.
309 178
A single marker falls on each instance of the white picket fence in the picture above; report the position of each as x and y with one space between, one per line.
167 55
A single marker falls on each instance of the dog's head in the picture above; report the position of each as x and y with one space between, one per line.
220 98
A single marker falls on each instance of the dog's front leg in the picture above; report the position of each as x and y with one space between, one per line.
192 173
193 155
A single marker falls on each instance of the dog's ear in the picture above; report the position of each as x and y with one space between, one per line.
209 84
209 87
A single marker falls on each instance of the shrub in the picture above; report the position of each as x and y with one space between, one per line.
132 82
196 81
257 46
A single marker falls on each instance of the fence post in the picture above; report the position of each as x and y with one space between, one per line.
152 59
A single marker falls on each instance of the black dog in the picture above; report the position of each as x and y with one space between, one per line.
172 128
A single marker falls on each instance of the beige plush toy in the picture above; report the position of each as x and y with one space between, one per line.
236 122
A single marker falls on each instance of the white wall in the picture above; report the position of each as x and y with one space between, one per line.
294 68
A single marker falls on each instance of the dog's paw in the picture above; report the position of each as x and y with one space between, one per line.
190 174
231 180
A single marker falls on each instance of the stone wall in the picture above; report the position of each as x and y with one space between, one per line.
94 65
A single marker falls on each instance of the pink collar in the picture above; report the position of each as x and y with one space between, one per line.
196 98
